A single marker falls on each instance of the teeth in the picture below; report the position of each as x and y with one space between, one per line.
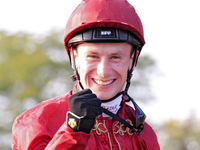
103 83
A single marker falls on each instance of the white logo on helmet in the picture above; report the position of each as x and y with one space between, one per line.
105 32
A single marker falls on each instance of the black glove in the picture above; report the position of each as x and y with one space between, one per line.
84 107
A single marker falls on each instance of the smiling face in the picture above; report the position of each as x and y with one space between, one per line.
103 67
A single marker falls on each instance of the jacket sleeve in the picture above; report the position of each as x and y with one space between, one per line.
39 138
44 127
65 138
150 138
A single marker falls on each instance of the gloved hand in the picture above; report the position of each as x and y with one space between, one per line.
86 107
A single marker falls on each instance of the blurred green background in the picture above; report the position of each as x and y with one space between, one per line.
34 68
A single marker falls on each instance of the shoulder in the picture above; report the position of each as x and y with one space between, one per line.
43 109
43 120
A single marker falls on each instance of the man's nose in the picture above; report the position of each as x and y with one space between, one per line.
104 68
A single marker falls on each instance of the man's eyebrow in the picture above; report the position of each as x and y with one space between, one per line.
92 52
118 53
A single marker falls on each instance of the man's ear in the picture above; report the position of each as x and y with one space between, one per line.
131 61
76 59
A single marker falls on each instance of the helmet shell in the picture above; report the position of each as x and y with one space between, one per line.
103 13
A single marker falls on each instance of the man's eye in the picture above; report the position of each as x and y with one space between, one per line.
115 57
92 56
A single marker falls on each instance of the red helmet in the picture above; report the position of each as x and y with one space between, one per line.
117 14
106 20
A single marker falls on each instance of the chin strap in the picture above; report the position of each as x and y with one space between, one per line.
139 115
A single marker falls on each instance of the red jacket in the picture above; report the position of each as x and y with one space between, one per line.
44 127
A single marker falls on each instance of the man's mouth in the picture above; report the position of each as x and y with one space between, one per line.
100 82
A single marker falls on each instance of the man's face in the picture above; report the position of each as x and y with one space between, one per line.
103 67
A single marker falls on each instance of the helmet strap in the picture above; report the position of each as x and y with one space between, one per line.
129 74
139 114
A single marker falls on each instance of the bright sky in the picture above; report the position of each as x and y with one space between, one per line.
172 30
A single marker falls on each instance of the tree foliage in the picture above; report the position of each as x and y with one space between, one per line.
180 135
34 68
